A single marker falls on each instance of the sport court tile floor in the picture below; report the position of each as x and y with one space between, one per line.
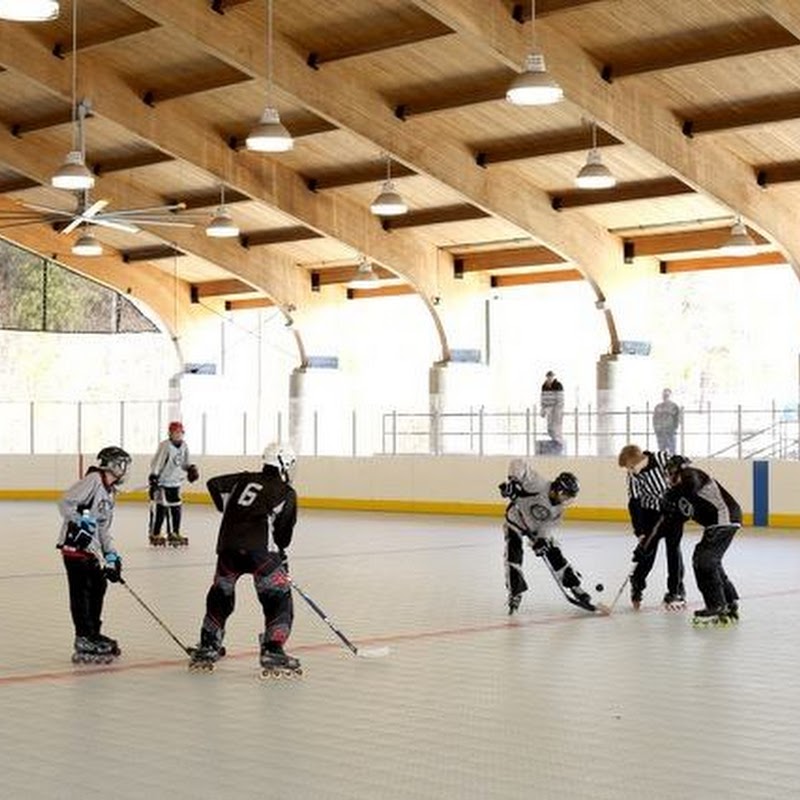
552 703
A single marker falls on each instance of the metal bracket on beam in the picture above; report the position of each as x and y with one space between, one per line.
312 184
662 267
518 13
313 60
480 159
194 294
401 112
458 268
218 6
688 128
244 241
315 282
762 179
149 98
557 203
607 73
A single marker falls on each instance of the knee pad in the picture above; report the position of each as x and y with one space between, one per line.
570 579
225 584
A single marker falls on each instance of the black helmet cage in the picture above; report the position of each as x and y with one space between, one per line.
566 483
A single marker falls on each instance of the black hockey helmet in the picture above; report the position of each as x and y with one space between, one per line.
565 483
115 460
675 464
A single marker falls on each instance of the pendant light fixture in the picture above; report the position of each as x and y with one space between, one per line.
594 174
739 242
73 174
222 225
29 10
533 86
366 277
388 203
87 245
269 136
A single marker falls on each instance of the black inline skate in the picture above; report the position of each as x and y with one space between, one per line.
514 601
176 540
158 541
674 601
710 617
275 663
95 650
732 612
203 657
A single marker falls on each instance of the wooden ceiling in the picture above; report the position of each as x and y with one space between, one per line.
697 107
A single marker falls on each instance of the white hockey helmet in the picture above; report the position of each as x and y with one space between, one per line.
281 456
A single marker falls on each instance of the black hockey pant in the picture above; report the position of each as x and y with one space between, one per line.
87 588
715 586
671 531
542 546
169 503
273 589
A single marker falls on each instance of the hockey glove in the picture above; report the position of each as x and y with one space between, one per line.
113 567
192 473
512 489
153 486
80 532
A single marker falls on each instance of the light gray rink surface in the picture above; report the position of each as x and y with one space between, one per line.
554 703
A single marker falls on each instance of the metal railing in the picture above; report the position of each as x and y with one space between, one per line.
84 427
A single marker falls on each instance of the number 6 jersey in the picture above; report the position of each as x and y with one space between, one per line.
259 510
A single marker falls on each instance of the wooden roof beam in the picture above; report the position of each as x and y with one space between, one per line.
721 262
223 6
293 233
344 274
55 120
566 141
622 193
766 111
219 288
356 175
145 158
783 172
155 252
521 12
138 25
523 279
249 303
461 212
479 89
757 35
17 184
432 30
198 202
657 244
504 259
208 83
380 291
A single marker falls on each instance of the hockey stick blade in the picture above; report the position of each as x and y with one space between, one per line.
372 652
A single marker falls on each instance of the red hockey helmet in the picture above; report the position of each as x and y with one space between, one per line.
175 427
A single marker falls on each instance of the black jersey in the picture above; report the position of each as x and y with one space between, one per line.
259 510
702 498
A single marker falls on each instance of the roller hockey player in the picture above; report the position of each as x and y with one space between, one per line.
696 495
168 469
647 483
88 552
535 506
259 512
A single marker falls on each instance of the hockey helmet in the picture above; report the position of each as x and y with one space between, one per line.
675 464
565 483
175 429
114 460
282 457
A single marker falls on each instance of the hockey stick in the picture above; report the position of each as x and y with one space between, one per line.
371 652
645 547
152 613
598 607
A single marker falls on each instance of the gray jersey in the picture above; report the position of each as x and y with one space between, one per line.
170 463
533 513
91 494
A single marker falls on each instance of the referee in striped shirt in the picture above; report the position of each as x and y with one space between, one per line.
647 484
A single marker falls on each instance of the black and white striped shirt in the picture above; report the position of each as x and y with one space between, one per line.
650 485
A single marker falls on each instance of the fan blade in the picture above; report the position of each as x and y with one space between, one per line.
151 210
49 210
94 209
117 225
22 222
77 221
166 223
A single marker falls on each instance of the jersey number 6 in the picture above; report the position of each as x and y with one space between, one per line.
249 494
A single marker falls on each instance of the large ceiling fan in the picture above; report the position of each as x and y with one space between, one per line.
89 212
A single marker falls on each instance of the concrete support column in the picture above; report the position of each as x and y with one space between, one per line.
300 434
623 382
437 398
